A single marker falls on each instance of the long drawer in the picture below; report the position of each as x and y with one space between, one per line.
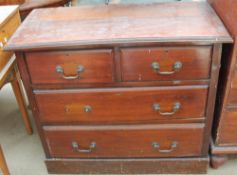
87 66
166 63
125 141
122 105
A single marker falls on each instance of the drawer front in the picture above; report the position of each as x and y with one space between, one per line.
233 91
166 63
124 105
125 141
95 66
228 128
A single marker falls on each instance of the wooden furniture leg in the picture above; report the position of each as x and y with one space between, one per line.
218 160
15 83
3 164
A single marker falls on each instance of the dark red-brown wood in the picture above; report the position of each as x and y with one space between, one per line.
225 123
233 91
120 24
129 166
121 110
125 141
136 63
122 105
97 64
228 129
217 161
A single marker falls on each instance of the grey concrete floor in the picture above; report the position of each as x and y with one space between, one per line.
24 153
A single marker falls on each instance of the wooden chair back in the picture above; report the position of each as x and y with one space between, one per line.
11 2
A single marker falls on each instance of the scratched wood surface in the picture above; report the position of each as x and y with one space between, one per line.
87 25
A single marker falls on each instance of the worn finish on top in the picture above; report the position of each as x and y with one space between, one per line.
227 11
169 22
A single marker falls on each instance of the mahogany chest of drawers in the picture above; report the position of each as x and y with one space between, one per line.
122 88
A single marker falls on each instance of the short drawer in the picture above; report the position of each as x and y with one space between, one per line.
122 105
166 63
94 66
125 141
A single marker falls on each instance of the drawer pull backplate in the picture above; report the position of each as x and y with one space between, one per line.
76 147
157 108
173 145
176 67
79 70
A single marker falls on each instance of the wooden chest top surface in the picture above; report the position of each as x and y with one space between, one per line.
114 24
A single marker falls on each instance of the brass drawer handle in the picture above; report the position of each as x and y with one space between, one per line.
76 147
79 70
176 107
87 109
173 146
176 67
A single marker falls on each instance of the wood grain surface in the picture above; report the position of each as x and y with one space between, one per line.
169 22
125 141
227 130
113 113
136 63
121 105
225 123
97 66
